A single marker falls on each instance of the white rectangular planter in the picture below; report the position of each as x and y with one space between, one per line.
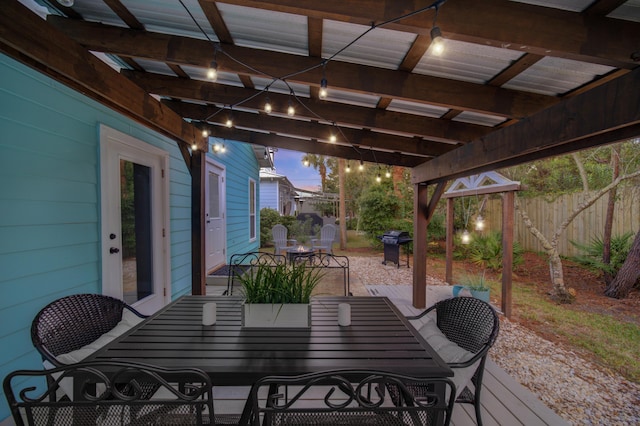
264 315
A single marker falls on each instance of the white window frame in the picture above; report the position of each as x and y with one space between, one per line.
253 215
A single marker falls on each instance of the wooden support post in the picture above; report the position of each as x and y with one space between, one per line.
449 242
420 246
508 207
198 273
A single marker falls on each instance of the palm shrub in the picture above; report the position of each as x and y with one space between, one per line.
279 284
592 252
486 250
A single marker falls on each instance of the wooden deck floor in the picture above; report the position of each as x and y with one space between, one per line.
504 401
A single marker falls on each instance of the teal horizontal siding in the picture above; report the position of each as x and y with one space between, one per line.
50 238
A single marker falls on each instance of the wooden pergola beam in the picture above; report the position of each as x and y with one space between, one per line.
605 114
382 82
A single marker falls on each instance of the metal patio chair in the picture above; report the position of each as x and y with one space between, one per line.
241 263
348 397
184 395
473 326
280 240
325 242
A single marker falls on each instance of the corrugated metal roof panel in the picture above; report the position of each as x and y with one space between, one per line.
97 12
466 61
417 108
630 11
266 29
155 66
572 5
477 118
352 98
379 48
555 76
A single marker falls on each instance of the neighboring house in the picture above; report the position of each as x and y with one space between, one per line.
277 192
68 168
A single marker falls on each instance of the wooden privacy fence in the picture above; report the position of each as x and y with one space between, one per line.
547 215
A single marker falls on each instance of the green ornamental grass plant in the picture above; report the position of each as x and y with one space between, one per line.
280 284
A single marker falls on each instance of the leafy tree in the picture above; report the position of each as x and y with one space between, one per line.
378 208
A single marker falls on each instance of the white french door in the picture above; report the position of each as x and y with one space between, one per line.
134 216
215 216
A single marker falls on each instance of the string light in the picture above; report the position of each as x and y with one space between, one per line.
361 166
348 168
291 111
194 147
387 174
267 106
378 178
212 72
437 42
223 149
333 138
322 94
305 162
205 133
216 147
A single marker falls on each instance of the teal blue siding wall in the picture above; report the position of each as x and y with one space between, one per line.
50 203
241 164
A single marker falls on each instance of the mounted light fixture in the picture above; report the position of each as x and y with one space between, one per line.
216 147
266 154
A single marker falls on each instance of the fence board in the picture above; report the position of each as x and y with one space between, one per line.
547 215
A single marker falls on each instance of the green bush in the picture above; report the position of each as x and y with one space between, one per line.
592 253
268 218
378 208
486 250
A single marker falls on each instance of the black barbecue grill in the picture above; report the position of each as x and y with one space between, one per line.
392 241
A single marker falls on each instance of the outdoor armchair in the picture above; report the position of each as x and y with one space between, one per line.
325 242
348 397
63 330
462 332
280 241
183 397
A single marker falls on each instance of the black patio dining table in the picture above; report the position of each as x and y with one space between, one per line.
379 338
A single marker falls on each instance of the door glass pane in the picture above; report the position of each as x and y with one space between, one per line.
214 195
135 197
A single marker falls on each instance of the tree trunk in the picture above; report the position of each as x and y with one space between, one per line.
611 204
559 291
628 275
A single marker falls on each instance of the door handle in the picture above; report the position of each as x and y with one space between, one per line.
113 250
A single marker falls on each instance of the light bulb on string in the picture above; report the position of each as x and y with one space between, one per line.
466 237
194 147
212 72
437 42
378 178
348 168
205 133
305 162
223 149
333 138
322 94
291 111
387 174
267 106
361 166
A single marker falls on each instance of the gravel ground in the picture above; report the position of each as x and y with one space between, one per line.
579 391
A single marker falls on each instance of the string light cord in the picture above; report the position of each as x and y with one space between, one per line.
218 48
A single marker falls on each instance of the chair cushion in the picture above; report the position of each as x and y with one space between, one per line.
129 319
450 353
